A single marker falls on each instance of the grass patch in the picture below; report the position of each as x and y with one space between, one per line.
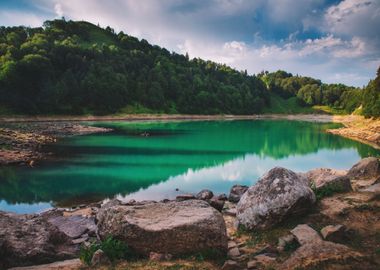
113 248
327 190
329 110
279 105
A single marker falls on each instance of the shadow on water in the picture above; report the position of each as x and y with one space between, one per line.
94 167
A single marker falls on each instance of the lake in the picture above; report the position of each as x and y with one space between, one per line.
153 160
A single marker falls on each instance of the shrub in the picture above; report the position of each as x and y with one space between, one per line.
113 248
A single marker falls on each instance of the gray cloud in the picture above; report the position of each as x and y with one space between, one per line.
252 35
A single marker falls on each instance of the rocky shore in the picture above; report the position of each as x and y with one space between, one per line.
21 143
322 219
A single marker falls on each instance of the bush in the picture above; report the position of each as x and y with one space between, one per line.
113 248
327 190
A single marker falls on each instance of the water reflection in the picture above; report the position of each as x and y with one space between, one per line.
185 155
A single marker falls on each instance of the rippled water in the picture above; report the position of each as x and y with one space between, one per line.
150 160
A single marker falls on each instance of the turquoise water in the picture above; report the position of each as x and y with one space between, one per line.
189 156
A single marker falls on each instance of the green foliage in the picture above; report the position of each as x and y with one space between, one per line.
340 98
371 97
287 106
327 190
210 254
113 249
72 67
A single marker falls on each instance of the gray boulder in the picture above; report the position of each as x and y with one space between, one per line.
204 194
367 168
278 194
74 226
324 177
236 192
31 239
170 228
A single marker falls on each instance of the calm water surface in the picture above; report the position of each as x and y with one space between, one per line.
190 156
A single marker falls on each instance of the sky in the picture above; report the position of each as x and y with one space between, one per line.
337 41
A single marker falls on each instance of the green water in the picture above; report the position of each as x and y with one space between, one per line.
188 156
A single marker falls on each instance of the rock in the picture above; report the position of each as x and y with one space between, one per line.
305 234
252 264
154 256
100 258
231 244
233 252
230 212
236 192
216 203
185 197
285 240
222 197
78 241
230 265
317 255
375 189
335 233
74 226
264 259
176 228
73 264
367 168
324 177
204 195
277 195
30 239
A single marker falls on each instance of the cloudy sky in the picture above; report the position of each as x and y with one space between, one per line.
336 41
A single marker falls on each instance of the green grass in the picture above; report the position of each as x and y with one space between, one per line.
327 190
114 250
329 110
279 105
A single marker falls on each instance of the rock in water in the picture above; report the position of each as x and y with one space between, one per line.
236 192
175 227
367 168
30 239
278 194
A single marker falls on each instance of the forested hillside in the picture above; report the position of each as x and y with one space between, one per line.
68 67
76 67
310 92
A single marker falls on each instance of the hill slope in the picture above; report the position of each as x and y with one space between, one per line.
76 67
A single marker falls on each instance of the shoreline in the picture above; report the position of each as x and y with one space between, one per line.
344 221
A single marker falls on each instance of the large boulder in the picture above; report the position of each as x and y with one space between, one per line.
236 192
31 239
367 168
324 177
74 226
174 227
315 253
280 193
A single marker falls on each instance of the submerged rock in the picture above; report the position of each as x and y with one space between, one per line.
31 239
236 192
174 227
278 194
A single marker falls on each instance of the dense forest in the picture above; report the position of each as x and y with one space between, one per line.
68 67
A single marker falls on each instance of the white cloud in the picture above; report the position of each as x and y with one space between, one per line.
199 27
12 18
58 10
